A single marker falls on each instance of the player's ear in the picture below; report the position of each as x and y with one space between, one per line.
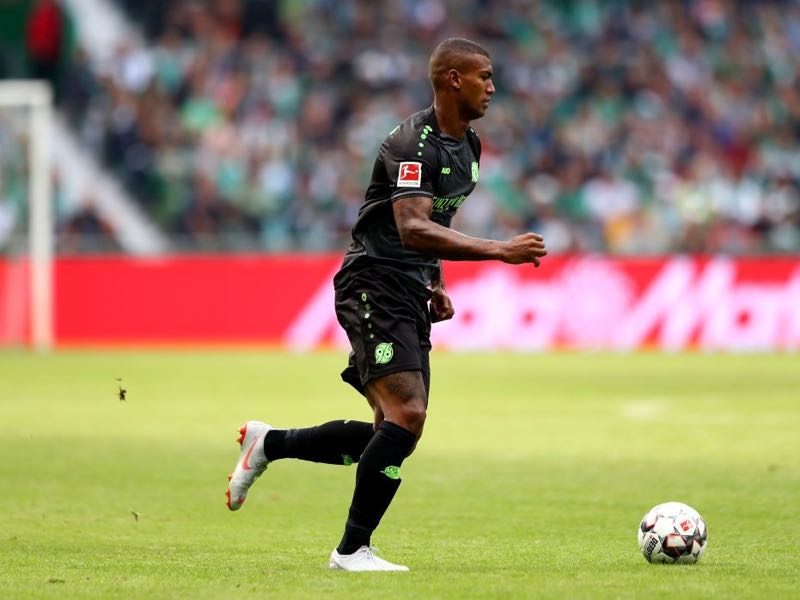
454 78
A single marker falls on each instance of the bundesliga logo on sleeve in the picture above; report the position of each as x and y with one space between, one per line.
410 174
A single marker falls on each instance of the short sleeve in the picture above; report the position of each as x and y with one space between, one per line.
410 162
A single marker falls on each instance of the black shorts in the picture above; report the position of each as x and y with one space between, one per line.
387 320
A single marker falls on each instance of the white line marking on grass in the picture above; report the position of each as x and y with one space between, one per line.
646 409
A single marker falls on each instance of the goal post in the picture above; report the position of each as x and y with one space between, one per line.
37 98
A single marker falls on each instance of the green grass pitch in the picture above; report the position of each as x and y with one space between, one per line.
529 482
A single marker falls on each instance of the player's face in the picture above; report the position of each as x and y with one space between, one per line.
477 87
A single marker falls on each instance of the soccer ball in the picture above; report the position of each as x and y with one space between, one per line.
672 532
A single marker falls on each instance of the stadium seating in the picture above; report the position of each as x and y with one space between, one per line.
619 127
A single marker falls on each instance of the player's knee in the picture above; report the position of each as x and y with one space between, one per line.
413 416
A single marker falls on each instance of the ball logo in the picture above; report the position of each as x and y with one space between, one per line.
410 174
686 525
383 353
651 545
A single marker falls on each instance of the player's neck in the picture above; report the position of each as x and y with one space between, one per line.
450 122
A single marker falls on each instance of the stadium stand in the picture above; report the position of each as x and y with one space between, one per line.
621 127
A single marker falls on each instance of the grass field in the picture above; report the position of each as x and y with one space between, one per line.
530 481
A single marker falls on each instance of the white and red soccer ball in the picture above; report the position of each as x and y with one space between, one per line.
672 532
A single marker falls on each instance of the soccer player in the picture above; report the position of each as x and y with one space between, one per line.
388 291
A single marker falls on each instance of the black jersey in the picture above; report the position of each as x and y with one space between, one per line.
416 159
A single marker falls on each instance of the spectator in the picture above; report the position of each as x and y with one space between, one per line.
45 36
85 231
653 127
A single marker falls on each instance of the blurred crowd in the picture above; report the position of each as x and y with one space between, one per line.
618 126
80 228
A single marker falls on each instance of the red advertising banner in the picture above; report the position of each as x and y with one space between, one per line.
593 302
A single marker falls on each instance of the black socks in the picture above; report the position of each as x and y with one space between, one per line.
379 455
335 443
377 480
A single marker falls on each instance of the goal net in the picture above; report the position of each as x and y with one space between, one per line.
26 229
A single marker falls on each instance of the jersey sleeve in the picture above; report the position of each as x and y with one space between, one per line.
410 162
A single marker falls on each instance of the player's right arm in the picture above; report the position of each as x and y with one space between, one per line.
418 232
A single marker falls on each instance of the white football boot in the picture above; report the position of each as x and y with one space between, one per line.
362 559
252 462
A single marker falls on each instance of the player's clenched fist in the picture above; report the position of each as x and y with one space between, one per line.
525 248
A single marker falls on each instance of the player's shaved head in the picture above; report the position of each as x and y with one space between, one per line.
453 53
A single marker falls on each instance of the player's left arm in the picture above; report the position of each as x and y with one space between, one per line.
441 305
